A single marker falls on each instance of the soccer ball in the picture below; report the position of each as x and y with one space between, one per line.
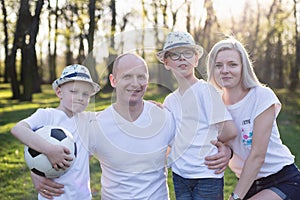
38 162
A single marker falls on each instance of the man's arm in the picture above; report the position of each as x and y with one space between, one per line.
220 160
46 187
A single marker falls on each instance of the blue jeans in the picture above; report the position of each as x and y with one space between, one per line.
285 183
198 189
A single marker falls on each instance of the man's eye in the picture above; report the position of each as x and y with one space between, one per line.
73 91
126 77
142 77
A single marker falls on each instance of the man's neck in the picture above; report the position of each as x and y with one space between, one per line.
129 112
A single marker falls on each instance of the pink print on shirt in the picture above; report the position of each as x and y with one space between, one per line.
247 133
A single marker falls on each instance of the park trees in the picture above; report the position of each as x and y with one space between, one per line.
43 36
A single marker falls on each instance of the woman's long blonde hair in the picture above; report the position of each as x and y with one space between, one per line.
249 78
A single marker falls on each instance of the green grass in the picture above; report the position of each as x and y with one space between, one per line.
15 182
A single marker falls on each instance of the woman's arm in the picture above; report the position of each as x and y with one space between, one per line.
261 135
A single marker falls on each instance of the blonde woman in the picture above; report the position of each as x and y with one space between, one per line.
264 166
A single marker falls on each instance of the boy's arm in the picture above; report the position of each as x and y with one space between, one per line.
46 187
57 154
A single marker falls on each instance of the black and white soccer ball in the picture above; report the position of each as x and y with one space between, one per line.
38 162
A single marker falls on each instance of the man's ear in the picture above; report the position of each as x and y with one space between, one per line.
112 80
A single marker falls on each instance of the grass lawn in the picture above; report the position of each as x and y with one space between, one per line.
15 182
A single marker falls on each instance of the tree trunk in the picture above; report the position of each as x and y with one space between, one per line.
29 69
52 55
91 60
6 69
294 74
112 56
210 23
279 78
266 71
188 16
11 58
11 63
68 34
164 77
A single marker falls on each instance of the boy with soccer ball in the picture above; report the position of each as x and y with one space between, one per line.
74 89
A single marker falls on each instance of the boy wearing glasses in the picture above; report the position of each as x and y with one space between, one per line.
201 117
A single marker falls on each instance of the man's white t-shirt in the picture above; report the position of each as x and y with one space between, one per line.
244 113
196 112
132 154
76 180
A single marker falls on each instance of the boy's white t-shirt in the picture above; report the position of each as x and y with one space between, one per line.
76 180
196 113
244 113
132 154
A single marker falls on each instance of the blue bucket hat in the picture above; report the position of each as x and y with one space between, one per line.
76 72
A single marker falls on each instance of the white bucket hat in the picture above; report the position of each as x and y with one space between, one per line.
178 39
75 72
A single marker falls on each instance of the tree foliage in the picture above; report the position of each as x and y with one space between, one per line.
87 32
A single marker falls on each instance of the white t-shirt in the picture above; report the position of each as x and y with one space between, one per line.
196 113
132 154
244 113
76 180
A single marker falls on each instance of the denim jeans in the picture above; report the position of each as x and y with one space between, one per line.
285 183
198 189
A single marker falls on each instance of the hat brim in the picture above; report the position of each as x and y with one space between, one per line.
59 81
161 54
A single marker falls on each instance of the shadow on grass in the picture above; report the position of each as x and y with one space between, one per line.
15 182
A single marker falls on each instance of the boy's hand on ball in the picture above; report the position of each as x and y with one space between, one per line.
59 156
55 156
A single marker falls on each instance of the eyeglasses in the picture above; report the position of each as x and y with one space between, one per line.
176 55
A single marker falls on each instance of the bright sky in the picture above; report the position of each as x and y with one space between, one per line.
228 8
223 8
